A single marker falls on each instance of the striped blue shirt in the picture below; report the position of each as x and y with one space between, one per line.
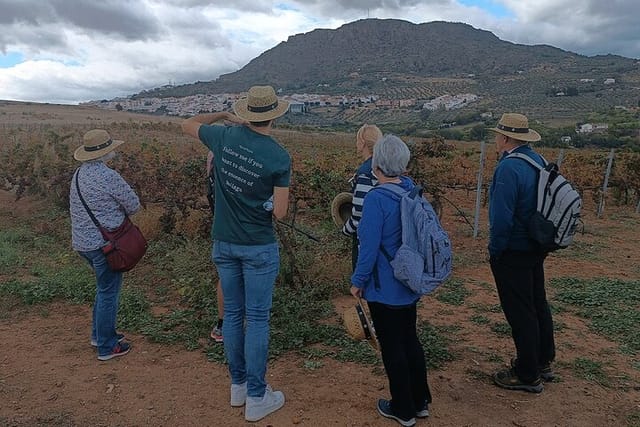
108 196
362 182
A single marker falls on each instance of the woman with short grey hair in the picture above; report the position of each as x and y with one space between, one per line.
391 155
392 304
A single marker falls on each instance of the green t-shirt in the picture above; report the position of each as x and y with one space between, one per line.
247 165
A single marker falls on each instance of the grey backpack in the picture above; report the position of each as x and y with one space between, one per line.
555 221
424 259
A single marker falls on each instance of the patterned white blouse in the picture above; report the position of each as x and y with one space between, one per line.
108 196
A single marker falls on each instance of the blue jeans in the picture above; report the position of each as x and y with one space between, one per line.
105 307
247 274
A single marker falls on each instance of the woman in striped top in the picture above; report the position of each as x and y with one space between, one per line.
362 181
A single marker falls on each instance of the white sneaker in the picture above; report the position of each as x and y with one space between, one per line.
238 394
259 407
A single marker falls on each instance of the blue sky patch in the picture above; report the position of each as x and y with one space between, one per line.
284 6
10 59
491 6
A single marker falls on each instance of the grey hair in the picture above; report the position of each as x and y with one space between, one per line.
391 155
106 157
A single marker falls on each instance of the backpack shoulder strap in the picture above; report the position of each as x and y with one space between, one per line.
398 192
528 159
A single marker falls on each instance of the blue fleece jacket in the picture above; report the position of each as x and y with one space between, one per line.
380 225
512 201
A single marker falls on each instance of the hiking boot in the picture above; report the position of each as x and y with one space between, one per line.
120 349
509 380
238 394
259 407
384 408
95 343
546 372
216 334
424 412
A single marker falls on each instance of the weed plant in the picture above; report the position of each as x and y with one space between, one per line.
612 306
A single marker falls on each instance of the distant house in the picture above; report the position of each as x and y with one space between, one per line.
297 107
587 80
566 139
404 103
486 115
592 128
609 81
384 103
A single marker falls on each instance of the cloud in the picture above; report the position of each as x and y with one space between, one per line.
585 26
85 49
116 18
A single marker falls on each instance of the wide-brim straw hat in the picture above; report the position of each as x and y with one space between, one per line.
260 105
341 208
359 326
516 126
96 143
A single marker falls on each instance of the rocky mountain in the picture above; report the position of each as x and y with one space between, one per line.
370 48
397 59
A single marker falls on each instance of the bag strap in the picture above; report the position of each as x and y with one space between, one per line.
528 159
91 215
399 191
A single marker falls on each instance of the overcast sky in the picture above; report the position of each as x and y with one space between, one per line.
69 51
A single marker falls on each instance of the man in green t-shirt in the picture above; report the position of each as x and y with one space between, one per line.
252 174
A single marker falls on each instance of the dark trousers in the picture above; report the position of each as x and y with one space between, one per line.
519 279
354 251
403 357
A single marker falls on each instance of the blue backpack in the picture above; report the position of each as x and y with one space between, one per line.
424 259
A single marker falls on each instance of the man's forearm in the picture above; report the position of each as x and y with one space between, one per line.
192 125
209 118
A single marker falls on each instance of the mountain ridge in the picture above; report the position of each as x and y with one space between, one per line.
396 59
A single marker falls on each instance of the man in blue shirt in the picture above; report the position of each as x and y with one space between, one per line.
516 262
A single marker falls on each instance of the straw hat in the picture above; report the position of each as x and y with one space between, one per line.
341 207
260 105
96 143
358 325
516 126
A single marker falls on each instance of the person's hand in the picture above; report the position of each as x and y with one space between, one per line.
356 292
232 118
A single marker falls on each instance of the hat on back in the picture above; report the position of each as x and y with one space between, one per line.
260 105
516 126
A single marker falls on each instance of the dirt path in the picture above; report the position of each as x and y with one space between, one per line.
49 375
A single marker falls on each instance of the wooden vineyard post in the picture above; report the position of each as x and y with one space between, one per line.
605 185
560 158
476 216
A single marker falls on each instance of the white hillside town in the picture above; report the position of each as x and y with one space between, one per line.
299 103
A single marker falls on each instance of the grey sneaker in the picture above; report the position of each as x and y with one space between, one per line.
238 394
259 407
